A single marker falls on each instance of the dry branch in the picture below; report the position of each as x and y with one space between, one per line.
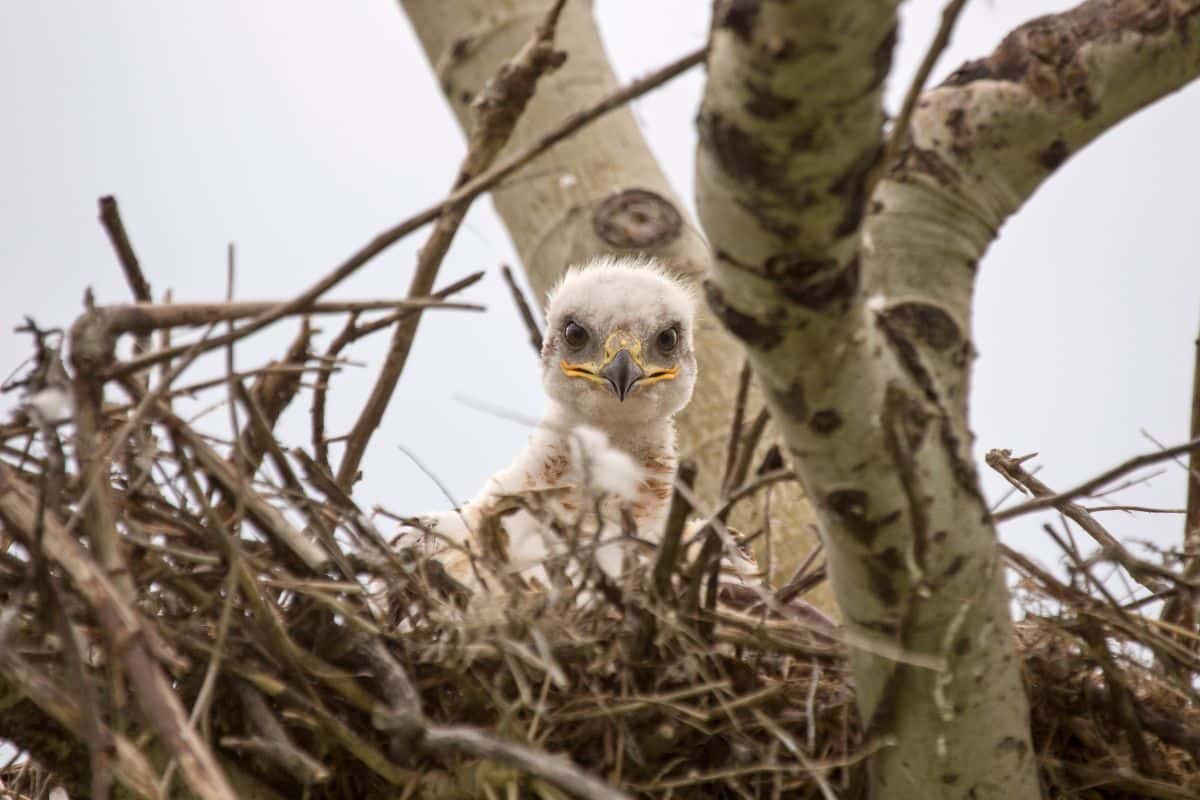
498 108
1003 462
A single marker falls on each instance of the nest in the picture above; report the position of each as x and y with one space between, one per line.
171 615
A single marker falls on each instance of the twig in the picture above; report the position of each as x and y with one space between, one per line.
130 766
274 743
1003 462
110 218
127 636
265 516
498 108
1121 699
403 710
531 325
349 334
1181 609
1090 485
144 318
556 770
273 390
735 426
899 133
668 551
468 191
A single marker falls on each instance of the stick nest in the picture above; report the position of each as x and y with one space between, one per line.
316 658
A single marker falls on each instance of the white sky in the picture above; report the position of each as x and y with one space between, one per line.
299 129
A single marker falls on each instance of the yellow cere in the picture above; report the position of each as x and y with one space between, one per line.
617 341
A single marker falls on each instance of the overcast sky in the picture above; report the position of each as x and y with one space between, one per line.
299 129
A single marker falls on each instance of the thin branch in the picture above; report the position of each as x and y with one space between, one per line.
1012 470
498 108
128 637
1181 609
143 318
531 325
110 218
941 40
735 426
668 551
1090 485
556 770
349 334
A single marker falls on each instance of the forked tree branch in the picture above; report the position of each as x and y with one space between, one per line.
856 312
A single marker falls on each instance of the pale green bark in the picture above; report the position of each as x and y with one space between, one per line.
863 340
601 191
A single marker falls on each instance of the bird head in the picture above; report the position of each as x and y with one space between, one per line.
618 345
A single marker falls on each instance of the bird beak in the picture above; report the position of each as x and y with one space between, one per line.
622 373
622 368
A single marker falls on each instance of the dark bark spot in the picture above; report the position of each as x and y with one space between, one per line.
786 267
964 471
909 418
813 283
460 48
848 503
825 421
904 420
928 323
962 646
749 329
802 140
956 122
932 164
764 103
902 345
777 225
890 558
960 136
738 16
772 460
637 219
850 506
876 207
955 566
739 154
1054 155
791 401
950 778
1013 744
881 585
840 287
851 187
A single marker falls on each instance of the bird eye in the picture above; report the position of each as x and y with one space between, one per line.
667 340
575 334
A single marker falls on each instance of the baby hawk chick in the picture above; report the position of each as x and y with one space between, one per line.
595 480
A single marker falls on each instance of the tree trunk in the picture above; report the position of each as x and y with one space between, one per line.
601 191
862 339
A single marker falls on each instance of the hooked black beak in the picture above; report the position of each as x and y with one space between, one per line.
622 373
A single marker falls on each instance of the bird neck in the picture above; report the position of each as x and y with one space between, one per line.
648 440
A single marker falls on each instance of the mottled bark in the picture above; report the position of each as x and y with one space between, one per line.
856 313
601 191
